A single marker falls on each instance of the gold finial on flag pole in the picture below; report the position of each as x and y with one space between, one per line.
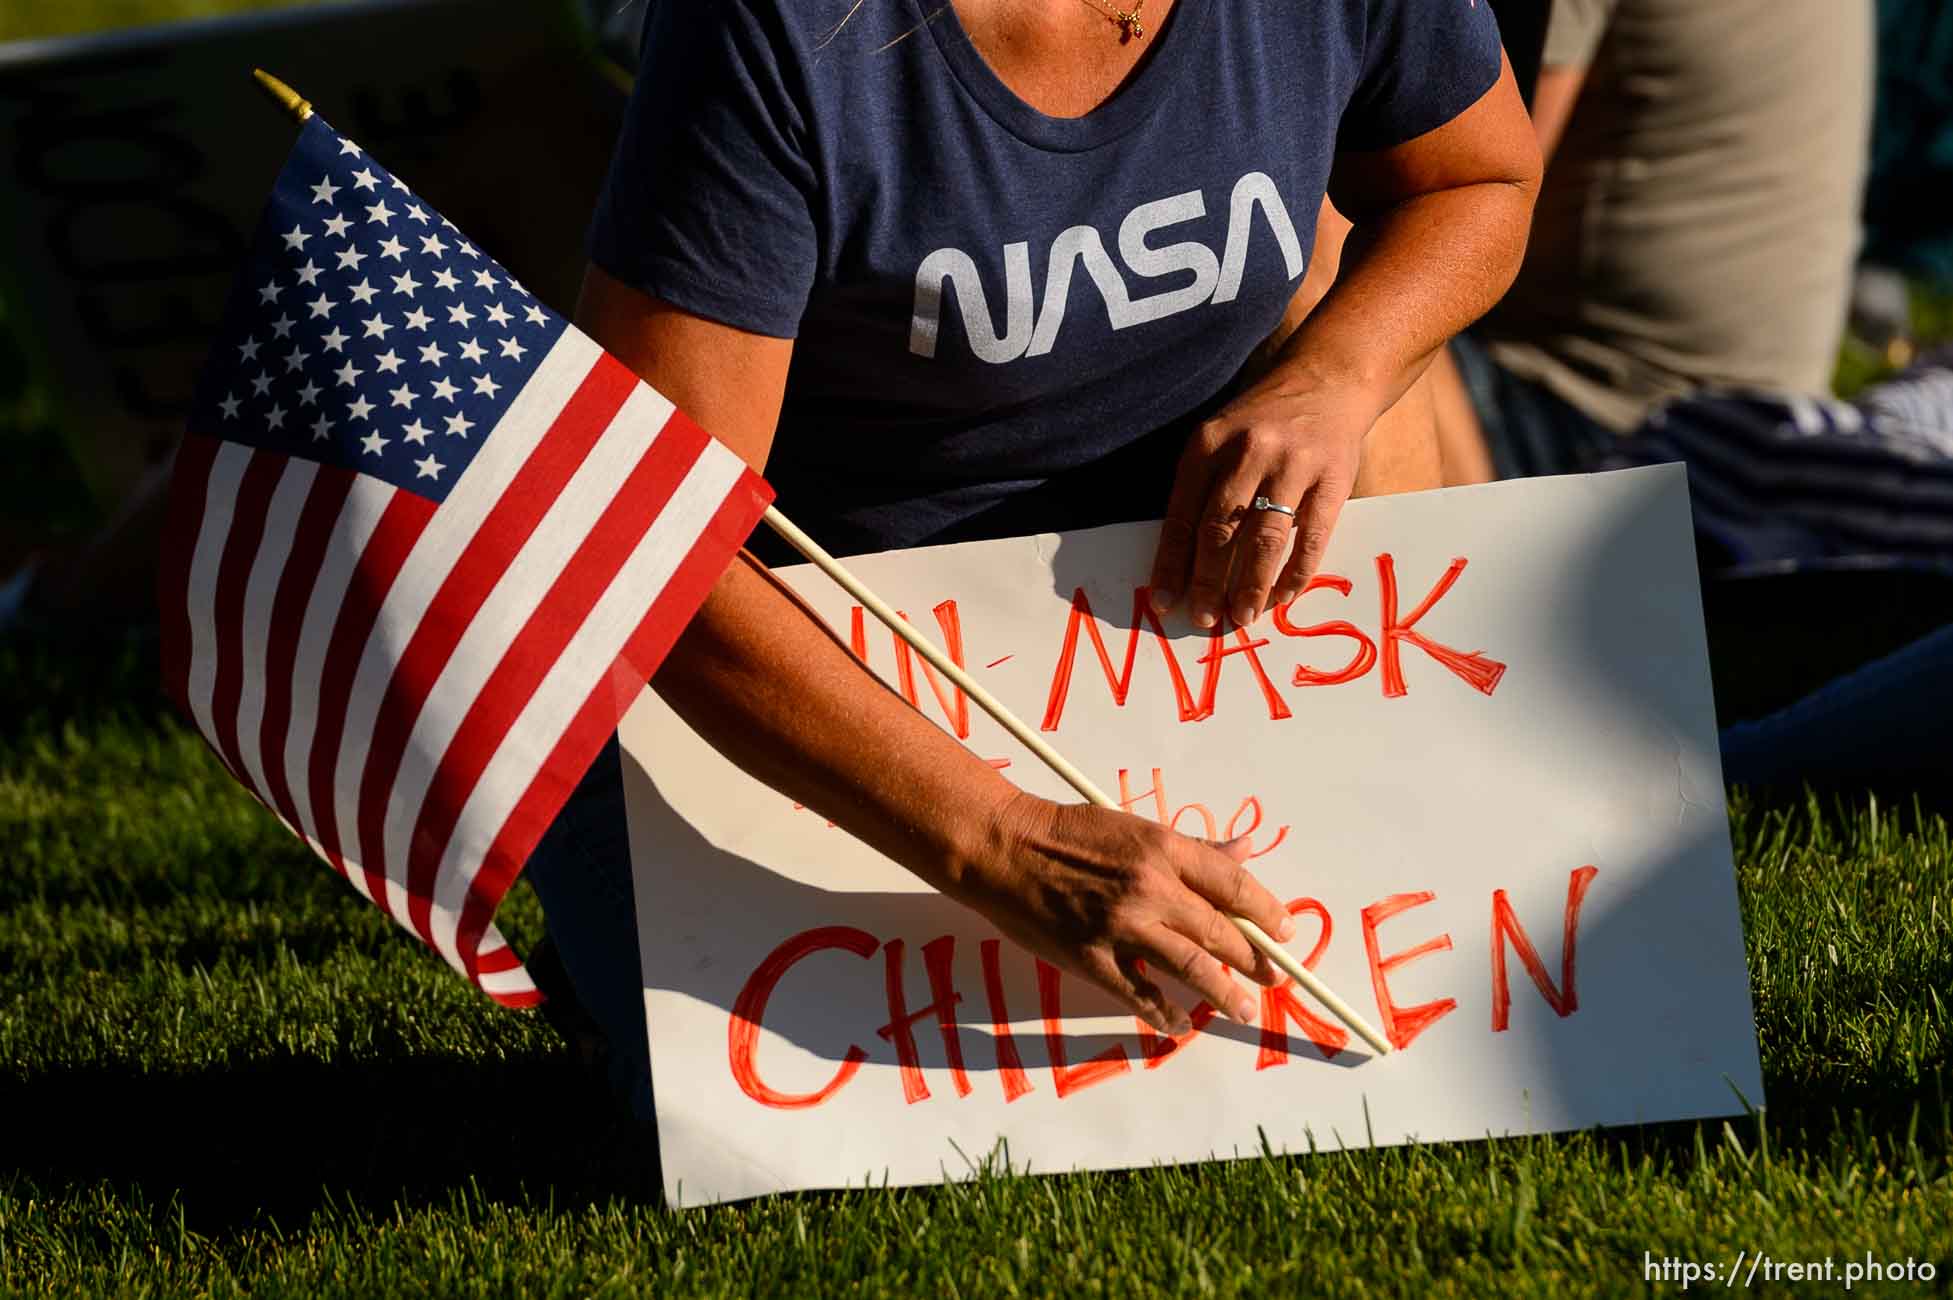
287 98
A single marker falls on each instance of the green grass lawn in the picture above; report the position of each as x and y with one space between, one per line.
211 1053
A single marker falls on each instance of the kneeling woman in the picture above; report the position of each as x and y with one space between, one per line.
992 267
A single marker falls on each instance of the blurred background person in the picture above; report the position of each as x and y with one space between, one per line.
1697 226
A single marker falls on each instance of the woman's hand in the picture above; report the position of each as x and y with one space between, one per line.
1111 897
1294 437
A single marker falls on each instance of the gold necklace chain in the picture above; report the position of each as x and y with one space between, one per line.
1127 19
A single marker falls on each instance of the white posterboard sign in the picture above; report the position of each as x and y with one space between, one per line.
1479 755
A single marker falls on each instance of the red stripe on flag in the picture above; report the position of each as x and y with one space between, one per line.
316 520
613 695
241 544
731 524
189 485
509 524
400 526
502 959
536 648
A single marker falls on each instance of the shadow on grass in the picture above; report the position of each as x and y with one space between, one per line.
276 1141
243 1148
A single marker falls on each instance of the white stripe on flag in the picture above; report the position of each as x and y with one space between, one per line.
505 981
213 536
500 618
567 686
365 505
281 526
504 451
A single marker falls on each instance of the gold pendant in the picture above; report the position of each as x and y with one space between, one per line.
1132 31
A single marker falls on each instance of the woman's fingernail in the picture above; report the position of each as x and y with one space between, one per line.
1203 618
1162 601
1244 614
1287 929
1286 596
1244 1010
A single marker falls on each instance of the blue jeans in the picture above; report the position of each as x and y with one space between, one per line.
1888 721
581 870
1528 430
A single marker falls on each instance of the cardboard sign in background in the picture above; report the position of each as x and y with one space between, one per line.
1457 796
137 162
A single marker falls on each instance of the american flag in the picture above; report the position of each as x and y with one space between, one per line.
426 543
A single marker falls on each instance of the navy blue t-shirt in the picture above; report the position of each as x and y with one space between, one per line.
1005 322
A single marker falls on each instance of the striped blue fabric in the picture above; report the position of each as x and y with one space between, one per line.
1785 484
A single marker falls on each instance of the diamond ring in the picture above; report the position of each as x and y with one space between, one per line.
1263 503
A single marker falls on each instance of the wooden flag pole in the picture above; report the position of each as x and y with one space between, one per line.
301 109
1057 762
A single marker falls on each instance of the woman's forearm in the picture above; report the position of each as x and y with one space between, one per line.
761 679
1410 278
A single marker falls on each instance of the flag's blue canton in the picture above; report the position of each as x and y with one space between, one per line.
366 331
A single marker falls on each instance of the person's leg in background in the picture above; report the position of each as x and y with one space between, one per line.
1885 723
